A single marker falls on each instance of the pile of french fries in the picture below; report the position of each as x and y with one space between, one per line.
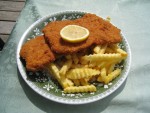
79 71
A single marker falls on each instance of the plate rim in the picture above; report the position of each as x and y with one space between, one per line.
61 99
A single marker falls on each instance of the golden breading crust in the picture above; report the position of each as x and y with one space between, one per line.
37 54
57 44
101 32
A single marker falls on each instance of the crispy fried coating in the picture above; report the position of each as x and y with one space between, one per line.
57 44
101 32
37 54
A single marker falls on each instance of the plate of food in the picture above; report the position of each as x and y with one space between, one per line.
73 57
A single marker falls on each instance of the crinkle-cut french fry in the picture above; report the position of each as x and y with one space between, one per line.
102 76
122 52
76 82
112 76
55 71
79 73
103 48
65 68
99 57
115 73
66 82
108 64
111 68
83 82
96 63
75 58
100 79
97 49
70 83
102 64
80 89
99 64
103 72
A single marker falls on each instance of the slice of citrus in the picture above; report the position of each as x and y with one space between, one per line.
74 33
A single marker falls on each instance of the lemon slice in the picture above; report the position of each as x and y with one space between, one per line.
74 33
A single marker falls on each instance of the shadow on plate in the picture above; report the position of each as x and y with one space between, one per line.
54 107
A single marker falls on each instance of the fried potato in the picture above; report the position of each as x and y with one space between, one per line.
80 89
79 73
65 67
98 57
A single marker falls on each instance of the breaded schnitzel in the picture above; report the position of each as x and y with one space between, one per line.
37 54
57 44
101 32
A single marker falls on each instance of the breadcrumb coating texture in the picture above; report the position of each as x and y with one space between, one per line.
37 54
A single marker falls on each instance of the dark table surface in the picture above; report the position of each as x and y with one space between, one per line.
9 12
